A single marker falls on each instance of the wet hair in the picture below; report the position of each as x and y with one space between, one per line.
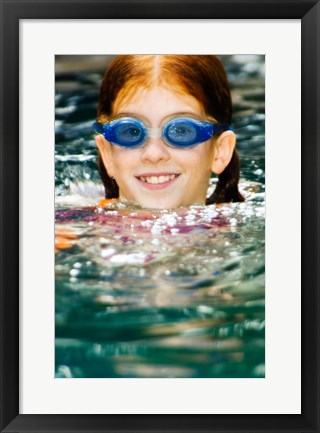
202 77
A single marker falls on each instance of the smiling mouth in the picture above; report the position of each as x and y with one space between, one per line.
155 180
159 181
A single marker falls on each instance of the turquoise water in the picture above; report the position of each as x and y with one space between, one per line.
163 293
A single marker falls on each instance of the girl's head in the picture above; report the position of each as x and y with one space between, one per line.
155 89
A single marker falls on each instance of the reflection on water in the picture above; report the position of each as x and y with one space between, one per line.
158 293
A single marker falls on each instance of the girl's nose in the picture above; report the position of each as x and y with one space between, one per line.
155 150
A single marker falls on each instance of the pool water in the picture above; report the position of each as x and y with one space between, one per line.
162 293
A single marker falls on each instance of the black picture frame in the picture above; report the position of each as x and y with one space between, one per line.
11 12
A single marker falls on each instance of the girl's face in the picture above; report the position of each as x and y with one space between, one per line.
158 176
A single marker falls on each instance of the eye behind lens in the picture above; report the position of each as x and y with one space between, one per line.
128 133
182 133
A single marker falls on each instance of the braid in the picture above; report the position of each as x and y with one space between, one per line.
110 185
227 186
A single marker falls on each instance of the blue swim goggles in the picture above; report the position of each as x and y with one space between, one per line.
181 132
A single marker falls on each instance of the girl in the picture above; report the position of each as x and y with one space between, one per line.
164 126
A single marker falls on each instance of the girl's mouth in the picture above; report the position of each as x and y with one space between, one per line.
157 181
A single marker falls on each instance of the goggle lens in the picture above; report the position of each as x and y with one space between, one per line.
181 133
128 134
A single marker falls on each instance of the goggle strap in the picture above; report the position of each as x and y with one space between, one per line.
108 132
211 129
104 129
98 127
219 128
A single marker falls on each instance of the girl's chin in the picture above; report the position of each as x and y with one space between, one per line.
160 203
167 205
158 206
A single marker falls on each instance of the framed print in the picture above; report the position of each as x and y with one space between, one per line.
185 312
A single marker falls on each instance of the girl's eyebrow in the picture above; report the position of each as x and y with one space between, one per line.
139 116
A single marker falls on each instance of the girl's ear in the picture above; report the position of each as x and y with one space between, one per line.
224 148
105 151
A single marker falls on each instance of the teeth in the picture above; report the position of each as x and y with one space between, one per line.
156 180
